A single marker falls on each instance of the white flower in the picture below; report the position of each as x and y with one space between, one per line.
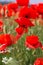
6 60
10 59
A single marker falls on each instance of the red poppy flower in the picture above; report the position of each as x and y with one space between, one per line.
22 2
5 10
19 30
39 61
24 23
9 12
13 6
24 12
5 40
33 42
33 13
28 13
1 25
34 6
40 9
1 10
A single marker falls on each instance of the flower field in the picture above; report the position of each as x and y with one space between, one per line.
21 33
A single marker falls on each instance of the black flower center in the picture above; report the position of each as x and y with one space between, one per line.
26 16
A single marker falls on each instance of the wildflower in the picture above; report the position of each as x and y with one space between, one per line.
38 61
33 42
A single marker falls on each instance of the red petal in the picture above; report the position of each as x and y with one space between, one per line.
3 47
19 30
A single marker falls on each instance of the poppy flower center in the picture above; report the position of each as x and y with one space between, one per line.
26 16
24 26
